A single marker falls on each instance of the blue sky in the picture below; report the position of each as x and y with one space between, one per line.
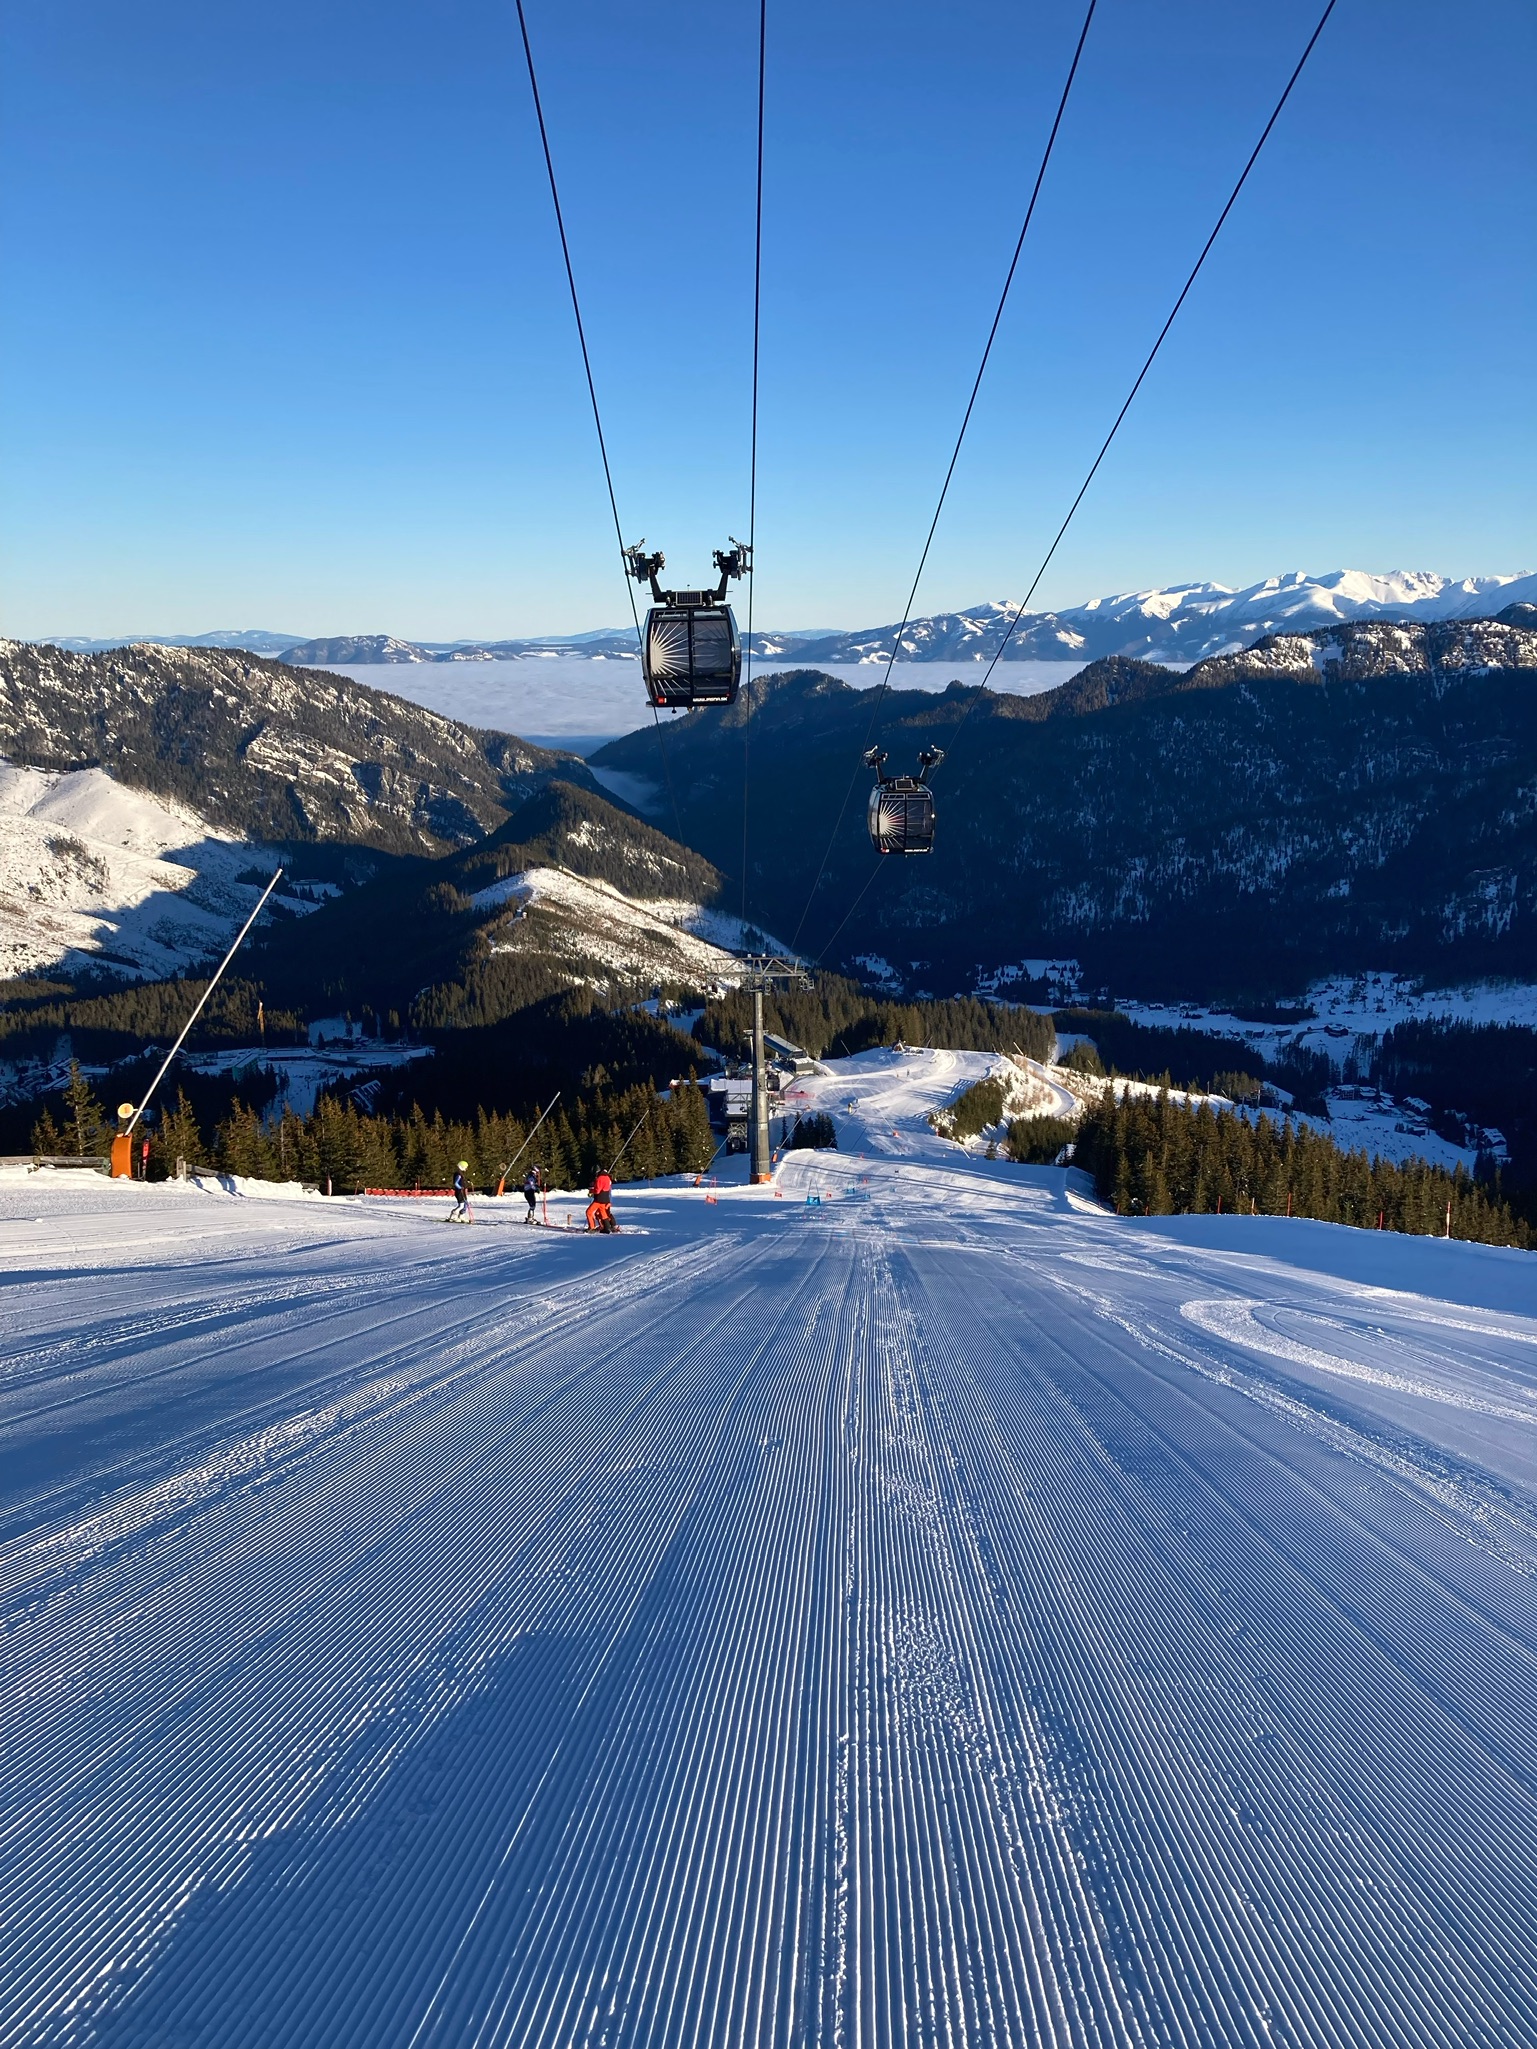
284 340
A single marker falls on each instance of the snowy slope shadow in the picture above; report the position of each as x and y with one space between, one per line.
340 1926
94 873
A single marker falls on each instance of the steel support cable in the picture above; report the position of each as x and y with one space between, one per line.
881 862
955 453
592 389
752 473
1093 471
1206 250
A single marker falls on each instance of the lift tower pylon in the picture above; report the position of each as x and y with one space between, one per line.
764 971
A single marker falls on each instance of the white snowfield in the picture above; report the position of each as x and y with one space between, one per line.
938 1613
93 873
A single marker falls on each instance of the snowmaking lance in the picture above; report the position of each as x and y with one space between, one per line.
501 1184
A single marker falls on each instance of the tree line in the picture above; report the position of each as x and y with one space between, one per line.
108 1022
341 1144
1483 1072
973 1110
1155 1156
1186 1058
837 1017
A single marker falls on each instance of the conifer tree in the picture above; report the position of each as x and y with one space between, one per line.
242 1145
87 1130
47 1141
177 1136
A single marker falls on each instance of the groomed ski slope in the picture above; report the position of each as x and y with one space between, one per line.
942 1613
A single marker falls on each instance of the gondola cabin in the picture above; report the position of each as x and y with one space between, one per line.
901 812
691 652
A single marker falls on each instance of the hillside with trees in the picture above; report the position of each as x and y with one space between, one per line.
265 751
1322 803
1156 1156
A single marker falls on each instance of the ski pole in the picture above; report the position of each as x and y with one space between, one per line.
523 1148
626 1146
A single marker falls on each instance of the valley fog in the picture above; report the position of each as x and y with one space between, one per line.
563 699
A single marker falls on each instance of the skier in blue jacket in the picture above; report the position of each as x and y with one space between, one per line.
460 1213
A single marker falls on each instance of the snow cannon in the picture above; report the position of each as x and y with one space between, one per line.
122 1145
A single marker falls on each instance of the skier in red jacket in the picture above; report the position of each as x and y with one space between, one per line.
600 1211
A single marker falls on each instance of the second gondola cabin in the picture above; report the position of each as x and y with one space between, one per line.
691 651
901 810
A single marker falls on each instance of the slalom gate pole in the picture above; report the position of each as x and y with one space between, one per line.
523 1148
626 1146
197 1007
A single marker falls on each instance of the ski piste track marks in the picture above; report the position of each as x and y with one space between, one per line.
896 1621
259 1454
1216 1479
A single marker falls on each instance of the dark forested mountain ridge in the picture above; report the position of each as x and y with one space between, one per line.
1362 796
570 893
258 749
587 835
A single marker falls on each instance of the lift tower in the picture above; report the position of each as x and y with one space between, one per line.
764 971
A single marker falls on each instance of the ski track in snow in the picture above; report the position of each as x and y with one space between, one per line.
939 1614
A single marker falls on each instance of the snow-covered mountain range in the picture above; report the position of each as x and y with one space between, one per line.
359 649
256 640
1183 623
147 795
1176 623
1389 828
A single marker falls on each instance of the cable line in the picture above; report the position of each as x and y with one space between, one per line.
826 946
1115 428
944 489
1206 249
592 389
752 483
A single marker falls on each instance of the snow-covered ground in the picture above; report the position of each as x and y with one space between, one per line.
95 874
1360 1119
1348 1008
1351 1017
934 1611
1364 1121
667 938
303 1071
